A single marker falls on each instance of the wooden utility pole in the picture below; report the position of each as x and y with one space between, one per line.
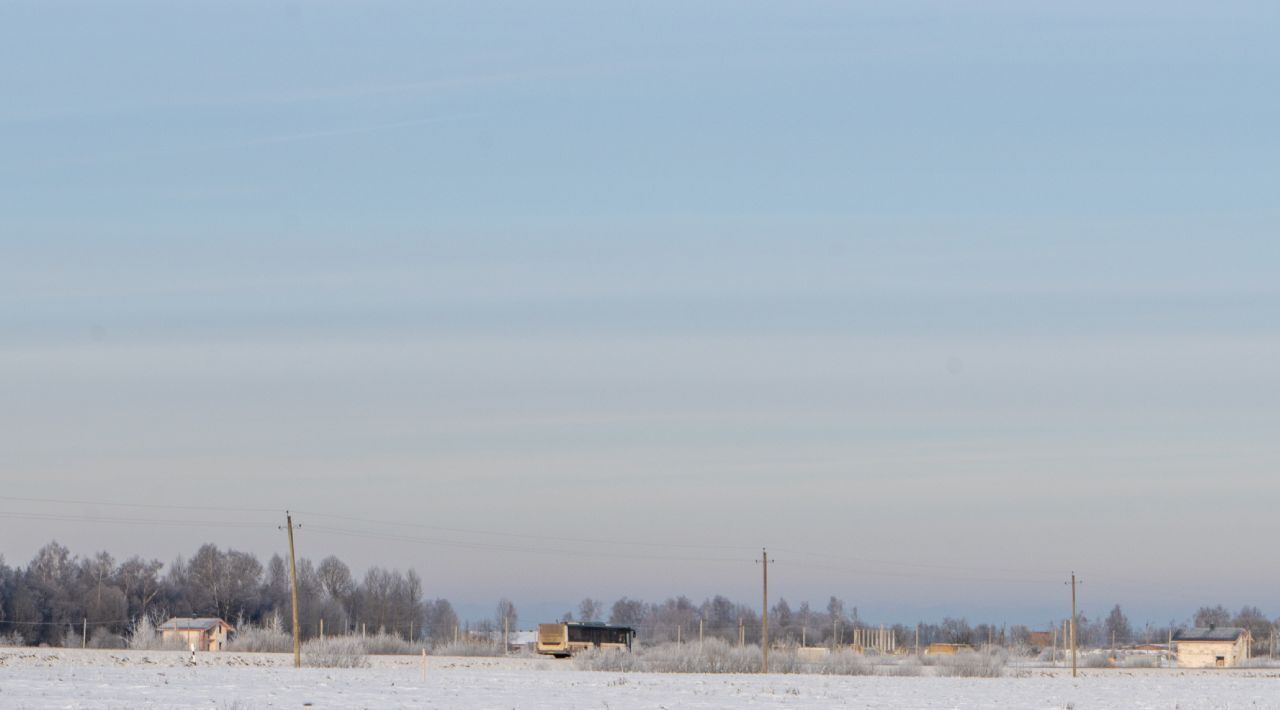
699 634
1074 640
84 634
293 594
764 615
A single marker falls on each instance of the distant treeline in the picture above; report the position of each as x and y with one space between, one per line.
59 598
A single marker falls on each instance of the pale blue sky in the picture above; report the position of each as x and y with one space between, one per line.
981 285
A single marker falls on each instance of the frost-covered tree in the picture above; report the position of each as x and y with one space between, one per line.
628 612
590 609
1212 616
1117 627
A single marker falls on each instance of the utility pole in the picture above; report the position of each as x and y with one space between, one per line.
293 593
764 616
1074 640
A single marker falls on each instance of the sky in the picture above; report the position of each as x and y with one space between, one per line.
938 301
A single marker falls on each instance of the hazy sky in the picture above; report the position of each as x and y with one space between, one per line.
939 301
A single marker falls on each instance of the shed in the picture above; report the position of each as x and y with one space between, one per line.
1212 647
197 633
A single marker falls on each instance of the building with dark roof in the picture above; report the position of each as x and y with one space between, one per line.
1212 647
197 633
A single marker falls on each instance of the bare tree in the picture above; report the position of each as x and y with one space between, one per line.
590 609
1212 616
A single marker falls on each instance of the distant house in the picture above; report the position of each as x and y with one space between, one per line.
1214 647
1040 639
197 633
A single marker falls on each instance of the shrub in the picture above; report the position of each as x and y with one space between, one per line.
1145 660
270 638
844 662
1096 659
608 660
384 644
467 648
104 638
909 666
972 664
717 656
11 639
334 652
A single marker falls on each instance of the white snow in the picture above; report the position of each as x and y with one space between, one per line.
61 678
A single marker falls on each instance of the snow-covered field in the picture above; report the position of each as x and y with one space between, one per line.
61 678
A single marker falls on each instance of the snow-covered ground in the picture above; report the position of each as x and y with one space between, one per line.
60 678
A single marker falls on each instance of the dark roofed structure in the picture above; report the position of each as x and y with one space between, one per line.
199 633
1212 647
1212 633
193 623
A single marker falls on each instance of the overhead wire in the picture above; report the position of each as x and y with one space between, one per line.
534 548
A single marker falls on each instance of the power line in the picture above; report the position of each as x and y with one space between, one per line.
128 521
920 575
899 563
373 535
159 506
525 536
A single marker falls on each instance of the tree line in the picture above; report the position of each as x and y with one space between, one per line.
57 595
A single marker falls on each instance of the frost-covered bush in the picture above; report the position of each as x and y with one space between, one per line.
11 639
596 659
972 664
468 648
1095 659
268 638
908 666
1260 663
843 662
1142 660
385 644
718 656
104 638
334 652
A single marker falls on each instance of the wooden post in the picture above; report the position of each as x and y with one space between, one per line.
424 664
84 634
699 634
1075 643
322 628
764 612
293 595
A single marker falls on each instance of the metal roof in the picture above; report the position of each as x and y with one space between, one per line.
1219 633
192 623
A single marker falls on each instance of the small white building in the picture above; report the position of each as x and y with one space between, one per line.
1212 647
196 633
